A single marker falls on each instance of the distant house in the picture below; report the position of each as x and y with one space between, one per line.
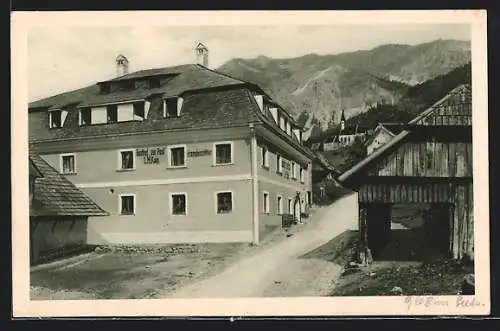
58 212
383 133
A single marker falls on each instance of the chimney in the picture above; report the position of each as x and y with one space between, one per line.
201 55
121 65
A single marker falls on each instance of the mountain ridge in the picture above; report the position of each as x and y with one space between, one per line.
323 85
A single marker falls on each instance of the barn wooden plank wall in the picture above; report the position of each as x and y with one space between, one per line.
428 159
409 192
462 240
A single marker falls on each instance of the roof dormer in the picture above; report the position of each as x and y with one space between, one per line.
57 117
172 107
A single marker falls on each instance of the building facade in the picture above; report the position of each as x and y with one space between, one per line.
176 155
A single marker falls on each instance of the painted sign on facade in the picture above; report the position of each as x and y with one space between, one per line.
150 155
199 152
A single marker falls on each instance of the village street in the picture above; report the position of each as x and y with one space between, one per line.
282 269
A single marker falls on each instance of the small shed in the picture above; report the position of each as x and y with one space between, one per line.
429 161
58 212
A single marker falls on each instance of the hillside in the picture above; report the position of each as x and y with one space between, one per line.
417 99
355 81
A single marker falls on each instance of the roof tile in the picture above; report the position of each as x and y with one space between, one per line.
55 195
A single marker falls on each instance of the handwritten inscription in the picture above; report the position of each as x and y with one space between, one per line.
150 155
435 301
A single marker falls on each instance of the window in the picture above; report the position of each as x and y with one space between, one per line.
290 206
279 165
154 83
139 110
112 113
55 119
127 204
265 157
265 203
294 170
177 156
68 163
282 123
223 153
224 202
279 201
126 160
302 175
170 108
104 88
178 204
85 116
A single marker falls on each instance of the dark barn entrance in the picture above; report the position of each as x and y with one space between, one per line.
428 163
404 232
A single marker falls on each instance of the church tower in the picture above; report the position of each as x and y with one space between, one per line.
342 121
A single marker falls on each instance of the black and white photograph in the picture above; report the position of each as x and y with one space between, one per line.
321 159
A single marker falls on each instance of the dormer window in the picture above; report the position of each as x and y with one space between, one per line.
282 123
260 101
154 83
104 88
85 116
139 110
172 107
56 118
127 85
274 113
112 113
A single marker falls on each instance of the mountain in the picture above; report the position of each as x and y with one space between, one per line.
322 85
416 99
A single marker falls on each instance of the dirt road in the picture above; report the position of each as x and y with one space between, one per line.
281 269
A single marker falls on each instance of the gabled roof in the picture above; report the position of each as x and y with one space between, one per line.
392 129
401 137
54 195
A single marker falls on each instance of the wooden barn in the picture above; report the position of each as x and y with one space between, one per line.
428 162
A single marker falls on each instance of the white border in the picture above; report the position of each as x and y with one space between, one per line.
61 165
265 159
119 211
365 306
279 204
232 202
265 203
119 159
214 153
171 203
169 156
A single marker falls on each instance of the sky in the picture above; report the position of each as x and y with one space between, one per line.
64 58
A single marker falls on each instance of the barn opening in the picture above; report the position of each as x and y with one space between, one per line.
428 162
409 232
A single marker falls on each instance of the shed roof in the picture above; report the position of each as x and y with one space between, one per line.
54 195
401 137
